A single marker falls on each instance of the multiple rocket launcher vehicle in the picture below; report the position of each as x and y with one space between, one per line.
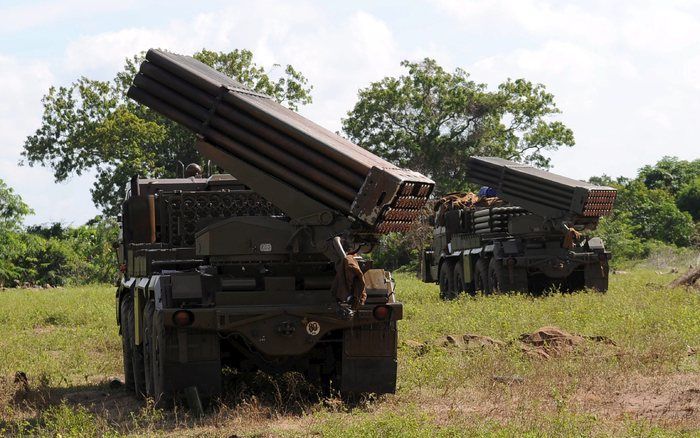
531 238
262 268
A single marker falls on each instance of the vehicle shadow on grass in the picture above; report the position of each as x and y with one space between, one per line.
253 397
26 405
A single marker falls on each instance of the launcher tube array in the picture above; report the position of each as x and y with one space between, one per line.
281 143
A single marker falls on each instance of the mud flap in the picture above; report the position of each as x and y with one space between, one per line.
369 359
596 276
192 359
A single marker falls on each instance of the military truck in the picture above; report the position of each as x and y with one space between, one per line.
260 268
526 232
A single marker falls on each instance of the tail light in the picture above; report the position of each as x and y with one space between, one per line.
183 318
381 312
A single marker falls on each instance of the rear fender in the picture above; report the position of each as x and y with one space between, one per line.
125 287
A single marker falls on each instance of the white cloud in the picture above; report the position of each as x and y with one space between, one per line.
27 15
237 26
660 28
23 85
562 20
337 58
619 71
625 73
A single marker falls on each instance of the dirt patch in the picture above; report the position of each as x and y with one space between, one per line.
547 342
43 329
419 348
543 343
666 399
469 341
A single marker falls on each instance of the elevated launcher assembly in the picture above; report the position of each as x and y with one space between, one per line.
302 168
527 238
544 193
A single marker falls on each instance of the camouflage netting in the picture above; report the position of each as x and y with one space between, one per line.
462 201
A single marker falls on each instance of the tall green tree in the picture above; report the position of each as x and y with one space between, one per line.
431 120
13 210
91 126
670 174
654 215
689 198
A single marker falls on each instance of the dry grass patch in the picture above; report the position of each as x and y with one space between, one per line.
622 363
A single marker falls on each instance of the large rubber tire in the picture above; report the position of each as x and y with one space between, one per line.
481 277
161 395
127 352
505 279
446 279
148 346
458 279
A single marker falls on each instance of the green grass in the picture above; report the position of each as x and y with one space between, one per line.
66 340
64 336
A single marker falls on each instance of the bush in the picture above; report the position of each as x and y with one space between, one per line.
618 234
653 215
395 251
57 255
689 199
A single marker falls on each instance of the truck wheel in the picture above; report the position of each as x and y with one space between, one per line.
127 352
160 394
148 346
458 280
481 277
507 279
446 279
137 354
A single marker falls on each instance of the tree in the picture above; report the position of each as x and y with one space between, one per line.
431 121
605 180
653 214
618 233
91 125
13 210
689 198
670 174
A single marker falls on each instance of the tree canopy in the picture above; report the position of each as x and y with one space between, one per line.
12 212
91 125
689 198
658 206
670 174
431 120
52 254
12 208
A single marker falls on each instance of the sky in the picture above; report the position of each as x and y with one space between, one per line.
625 74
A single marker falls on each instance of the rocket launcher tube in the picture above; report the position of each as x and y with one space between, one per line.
233 131
544 193
250 124
279 117
241 151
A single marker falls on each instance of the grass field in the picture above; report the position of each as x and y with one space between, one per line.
638 373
